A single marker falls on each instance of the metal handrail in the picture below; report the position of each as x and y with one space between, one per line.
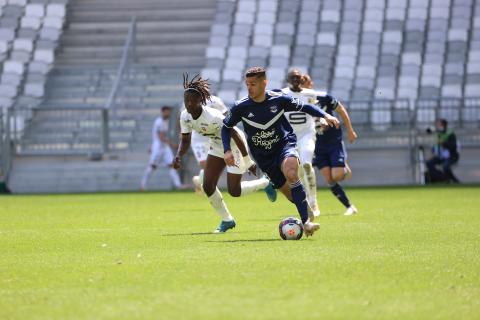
129 42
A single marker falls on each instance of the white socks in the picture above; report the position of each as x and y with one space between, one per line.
311 184
175 177
146 177
216 200
254 185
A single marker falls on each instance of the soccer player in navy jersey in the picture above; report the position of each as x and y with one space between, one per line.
330 155
271 139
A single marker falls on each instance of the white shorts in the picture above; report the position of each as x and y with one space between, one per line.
200 150
306 146
217 151
161 157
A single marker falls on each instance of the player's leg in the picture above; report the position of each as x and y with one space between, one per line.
200 151
338 173
167 159
237 187
152 166
213 170
306 151
298 196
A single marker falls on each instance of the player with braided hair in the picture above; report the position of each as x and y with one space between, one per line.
209 122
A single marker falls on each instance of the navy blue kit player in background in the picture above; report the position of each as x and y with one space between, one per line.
330 155
271 139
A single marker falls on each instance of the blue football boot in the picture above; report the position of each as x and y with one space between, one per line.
271 192
224 226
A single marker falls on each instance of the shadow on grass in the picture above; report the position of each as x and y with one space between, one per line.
196 234
246 240
187 234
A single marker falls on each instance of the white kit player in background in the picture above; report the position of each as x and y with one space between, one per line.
304 128
161 154
201 144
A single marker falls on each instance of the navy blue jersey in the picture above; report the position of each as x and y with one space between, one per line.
330 134
264 123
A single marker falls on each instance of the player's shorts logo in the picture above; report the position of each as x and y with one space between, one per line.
273 109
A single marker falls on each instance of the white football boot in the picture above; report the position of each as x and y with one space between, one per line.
198 185
351 211
309 228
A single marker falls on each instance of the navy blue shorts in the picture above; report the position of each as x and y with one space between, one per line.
331 155
271 165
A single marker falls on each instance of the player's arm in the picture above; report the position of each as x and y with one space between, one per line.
293 104
231 119
185 140
342 111
243 150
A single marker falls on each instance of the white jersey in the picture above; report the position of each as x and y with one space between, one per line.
301 122
215 103
160 126
208 125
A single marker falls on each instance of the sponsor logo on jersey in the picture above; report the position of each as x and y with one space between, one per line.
273 109
251 115
265 139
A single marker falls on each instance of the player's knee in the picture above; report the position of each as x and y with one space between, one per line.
338 176
208 188
291 175
235 192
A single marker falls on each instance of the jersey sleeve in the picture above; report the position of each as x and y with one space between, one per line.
232 117
326 100
289 103
185 123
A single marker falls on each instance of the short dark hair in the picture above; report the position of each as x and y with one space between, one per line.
166 108
444 122
257 72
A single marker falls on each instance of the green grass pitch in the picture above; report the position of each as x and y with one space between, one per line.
412 253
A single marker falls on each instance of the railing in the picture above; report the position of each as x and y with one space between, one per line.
128 55
381 124
59 130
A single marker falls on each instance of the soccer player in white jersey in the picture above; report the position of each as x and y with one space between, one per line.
201 144
161 154
304 128
209 122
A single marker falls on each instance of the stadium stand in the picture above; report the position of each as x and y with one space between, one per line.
358 50
398 64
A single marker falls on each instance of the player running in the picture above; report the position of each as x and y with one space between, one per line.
201 144
209 122
303 126
161 154
330 154
271 139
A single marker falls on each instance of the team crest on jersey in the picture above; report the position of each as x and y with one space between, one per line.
312 100
296 101
273 109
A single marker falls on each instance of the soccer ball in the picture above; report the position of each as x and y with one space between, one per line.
290 229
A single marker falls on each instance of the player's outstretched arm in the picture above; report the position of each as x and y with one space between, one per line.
185 140
342 111
317 112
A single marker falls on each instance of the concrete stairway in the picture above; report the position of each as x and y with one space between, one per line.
171 38
171 34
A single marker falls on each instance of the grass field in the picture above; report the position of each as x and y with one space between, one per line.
410 254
